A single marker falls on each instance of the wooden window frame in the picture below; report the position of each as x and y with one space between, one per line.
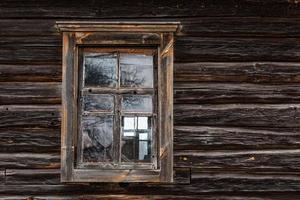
158 35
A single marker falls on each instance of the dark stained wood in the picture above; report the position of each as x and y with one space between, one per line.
30 93
238 26
37 140
30 72
251 72
187 49
16 55
203 49
47 116
52 176
244 196
221 93
256 160
2 176
202 182
133 9
32 176
37 29
249 115
236 99
222 138
29 160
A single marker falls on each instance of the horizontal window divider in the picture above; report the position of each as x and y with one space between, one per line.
95 113
136 114
132 91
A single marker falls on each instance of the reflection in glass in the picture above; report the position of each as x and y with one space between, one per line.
137 103
136 139
98 102
97 138
100 70
136 70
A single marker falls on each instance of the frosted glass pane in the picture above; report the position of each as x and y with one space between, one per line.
97 138
98 102
136 70
137 103
100 70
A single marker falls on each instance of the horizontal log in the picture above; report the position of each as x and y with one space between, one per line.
30 93
32 176
221 93
30 160
226 138
192 49
244 196
38 140
47 116
30 72
52 176
31 41
28 54
133 9
37 29
237 26
202 182
268 72
249 115
245 160
187 49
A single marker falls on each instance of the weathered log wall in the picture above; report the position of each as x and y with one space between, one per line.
236 99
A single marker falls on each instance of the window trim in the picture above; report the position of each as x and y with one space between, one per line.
137 34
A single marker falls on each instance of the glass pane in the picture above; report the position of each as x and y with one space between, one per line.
143 123
97 138
100 70
136 144
129 123
136 70
98 102
137 103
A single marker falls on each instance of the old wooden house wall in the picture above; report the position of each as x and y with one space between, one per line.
237 98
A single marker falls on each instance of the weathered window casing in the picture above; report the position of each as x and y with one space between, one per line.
157 36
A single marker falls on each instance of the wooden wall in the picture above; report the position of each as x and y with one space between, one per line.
237 99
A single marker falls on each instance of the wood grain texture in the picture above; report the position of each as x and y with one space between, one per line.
244 196
30 72
47 116
35 29
32 176
247 160
197 49
247 72
202 182
30 93
187 49
2 176
29 160
52 176
222 93
36 140
28 54
248 115
230 138
107 9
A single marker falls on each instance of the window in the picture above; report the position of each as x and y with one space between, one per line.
117 101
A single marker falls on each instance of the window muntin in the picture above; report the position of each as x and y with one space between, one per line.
127 91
